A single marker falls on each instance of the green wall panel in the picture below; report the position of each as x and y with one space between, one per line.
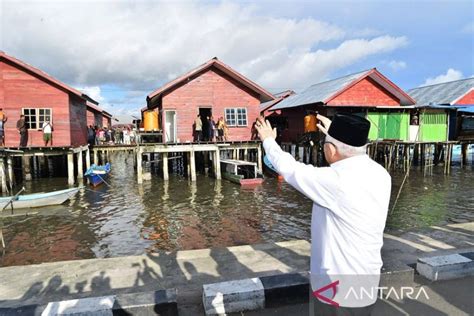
373 118
388 125
434 127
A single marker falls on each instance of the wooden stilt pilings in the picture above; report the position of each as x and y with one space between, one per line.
217 164
165 166
192 165
70 169
88 158
11 174
3 176
139 166
80 171
26 168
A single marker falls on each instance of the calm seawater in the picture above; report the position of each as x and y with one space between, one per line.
130 219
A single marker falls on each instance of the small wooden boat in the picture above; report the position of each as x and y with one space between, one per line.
37 199
241 172
97 174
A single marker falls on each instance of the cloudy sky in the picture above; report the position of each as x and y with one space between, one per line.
119 51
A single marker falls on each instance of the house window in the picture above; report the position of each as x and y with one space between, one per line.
236 116
35 117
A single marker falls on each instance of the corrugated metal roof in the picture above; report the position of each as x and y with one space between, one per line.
442 93
214 62
265 105
279 96
467 109
319 92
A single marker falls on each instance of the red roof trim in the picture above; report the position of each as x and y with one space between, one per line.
395 86
219 65
277 100
362 77
94 107
40 73
107 114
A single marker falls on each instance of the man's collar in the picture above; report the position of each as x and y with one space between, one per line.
348 161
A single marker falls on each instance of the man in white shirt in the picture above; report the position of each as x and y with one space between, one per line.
350 204
47 132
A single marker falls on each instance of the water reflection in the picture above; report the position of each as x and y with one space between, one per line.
130 219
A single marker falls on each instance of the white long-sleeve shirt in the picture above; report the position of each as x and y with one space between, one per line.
350 204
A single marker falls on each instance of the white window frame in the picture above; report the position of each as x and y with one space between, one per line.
39 123
234 113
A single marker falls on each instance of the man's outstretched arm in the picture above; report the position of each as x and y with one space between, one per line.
319 184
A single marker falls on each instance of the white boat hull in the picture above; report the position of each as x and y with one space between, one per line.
39 199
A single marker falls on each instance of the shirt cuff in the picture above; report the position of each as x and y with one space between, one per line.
268 143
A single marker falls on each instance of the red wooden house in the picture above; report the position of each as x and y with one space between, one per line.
27 90
96 116
210 89
357 93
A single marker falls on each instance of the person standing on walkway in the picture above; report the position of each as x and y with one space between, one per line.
47 133
3 120
350 205
226 130
23 130
220 129
212 129
91 136
198 128
126 136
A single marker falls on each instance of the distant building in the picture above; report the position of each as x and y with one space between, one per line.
458 92
27 90
367 93
210 89
451 102
96 116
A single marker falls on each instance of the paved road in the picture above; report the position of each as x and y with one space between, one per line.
454 297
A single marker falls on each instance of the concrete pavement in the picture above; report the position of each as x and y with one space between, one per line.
452 297
188 270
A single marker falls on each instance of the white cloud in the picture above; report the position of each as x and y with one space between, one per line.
141 45
450 75
397 65
119 107
92 91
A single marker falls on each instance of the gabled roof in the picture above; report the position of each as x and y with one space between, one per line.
279 96
214 62
442 93
98 109
467 109
41 74
93 106
324 92
105 113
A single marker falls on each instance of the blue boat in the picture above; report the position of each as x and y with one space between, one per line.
269 169
97 174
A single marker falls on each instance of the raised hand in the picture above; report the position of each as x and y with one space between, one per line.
323 124
264 129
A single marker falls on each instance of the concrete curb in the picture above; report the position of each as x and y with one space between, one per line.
162 302
278 290
233 296
446 267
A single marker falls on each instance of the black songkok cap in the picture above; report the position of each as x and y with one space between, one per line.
350 129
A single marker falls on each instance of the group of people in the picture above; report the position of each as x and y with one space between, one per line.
107 135
212 131
22 127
